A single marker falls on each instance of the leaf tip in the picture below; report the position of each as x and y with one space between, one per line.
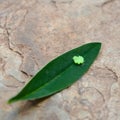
11 100
99 44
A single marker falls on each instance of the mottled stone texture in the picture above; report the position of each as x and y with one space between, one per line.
33 32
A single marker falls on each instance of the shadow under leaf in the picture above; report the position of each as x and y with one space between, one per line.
28 105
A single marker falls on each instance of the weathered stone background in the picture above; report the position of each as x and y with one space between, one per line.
33 32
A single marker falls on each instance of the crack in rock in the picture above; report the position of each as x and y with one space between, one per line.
61 2
107 2
11 86
26 74
114 73
7 34
54 3
9 43
99 93
9 46
24 18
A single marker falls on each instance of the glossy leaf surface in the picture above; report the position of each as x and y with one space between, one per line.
59 74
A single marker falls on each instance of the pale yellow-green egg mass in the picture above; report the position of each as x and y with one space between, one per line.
78 59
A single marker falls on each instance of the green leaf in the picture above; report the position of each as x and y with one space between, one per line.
59 73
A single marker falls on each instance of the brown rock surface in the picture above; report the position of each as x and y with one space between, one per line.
33 32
